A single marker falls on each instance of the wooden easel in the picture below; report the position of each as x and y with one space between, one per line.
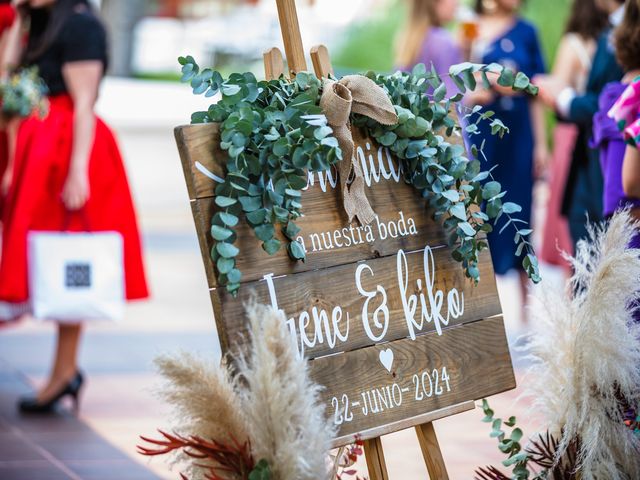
274 68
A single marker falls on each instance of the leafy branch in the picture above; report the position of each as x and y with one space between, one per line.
455 185
274 133
541 452
517 458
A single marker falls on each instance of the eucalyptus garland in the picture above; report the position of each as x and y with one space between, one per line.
455 185
275 133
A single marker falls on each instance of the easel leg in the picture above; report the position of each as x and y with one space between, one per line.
273 64
431 452
291 36
375 459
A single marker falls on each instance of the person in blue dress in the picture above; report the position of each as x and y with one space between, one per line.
505 38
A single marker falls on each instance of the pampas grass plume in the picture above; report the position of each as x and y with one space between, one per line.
284 411
270 401
586 353
205 403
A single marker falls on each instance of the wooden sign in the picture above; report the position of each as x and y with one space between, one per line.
393 330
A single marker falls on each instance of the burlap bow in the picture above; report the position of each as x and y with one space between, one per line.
358 94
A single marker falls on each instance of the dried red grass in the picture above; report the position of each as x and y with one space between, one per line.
226 461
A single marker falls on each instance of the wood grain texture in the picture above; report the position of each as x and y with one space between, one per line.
374 455
430 416
323 211
431 451
323 215
477 361
204 241
199 145
321 61
335 286
474 351
291 36
273 63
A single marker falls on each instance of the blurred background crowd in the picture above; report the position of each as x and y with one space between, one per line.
546 165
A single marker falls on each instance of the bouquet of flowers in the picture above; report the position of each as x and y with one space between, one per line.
22 94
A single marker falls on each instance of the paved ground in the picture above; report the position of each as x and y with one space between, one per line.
119 404
55 447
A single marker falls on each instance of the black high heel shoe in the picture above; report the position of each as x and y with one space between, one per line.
72 388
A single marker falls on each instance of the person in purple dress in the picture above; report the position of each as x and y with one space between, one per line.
424 39
607 137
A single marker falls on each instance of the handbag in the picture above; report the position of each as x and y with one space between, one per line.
76 276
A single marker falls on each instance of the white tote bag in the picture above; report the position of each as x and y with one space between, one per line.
76 276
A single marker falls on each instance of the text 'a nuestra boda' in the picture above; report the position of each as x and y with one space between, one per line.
353 235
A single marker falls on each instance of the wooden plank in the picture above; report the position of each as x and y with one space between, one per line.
426 374
273 63
321 61
204 239
291 36
202 161
324 220
426 417
202 157
373 454
320 292
431 451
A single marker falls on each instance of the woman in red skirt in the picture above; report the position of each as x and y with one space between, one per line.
68 172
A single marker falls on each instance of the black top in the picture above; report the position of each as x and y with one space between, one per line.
82 37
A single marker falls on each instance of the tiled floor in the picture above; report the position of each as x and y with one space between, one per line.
118 403
54 447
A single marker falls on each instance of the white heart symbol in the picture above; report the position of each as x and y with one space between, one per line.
386 358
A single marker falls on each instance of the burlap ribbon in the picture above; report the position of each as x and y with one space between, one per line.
358 94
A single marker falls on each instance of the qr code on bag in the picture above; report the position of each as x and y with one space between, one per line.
77 275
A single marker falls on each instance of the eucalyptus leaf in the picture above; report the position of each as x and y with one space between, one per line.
234 276
506 78
225 264
451 195
225 202
458 210
226 219
510 207
230 90
440 92
227 250
250 204
220 233
265 232
257 217
467 229
296 251
271 246
291 230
